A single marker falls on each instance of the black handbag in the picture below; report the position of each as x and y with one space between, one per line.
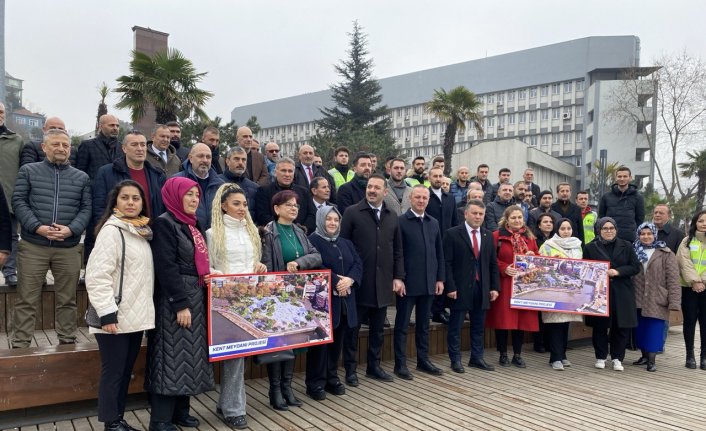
269 358
91 317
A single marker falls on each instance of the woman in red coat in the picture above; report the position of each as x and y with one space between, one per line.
512 237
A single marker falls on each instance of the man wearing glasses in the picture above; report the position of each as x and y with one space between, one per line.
284 180
271 156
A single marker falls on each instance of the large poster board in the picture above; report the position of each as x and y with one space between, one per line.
258 313
561 285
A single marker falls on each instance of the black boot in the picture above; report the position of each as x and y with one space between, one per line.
703 362
287 392
643 359
274 374
651 361
690 360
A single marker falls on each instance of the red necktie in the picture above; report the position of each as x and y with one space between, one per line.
309 174
476 251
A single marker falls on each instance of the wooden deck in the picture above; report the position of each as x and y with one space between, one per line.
537 398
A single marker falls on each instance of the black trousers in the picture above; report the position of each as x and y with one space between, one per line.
501 336
376 327
405 304
322 360
118 353
617 340
166 408
557 338
438 304
693 306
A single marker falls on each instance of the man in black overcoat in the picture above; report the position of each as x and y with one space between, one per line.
353 191
424 271
375 232
472 283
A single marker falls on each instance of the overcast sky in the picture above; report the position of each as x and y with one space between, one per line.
261 50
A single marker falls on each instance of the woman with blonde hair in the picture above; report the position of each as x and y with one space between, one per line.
512 238
234 247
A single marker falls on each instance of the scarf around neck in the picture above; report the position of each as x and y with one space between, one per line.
519 246
140 223
640 247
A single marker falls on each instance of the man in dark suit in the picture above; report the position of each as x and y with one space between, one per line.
375 232
568 209
532 188
305 170
353 191
284 180
472 283
235 172
256 167
424 271
442 207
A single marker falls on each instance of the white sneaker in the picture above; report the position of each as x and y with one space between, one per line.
600 364
557 365
565 362
617 366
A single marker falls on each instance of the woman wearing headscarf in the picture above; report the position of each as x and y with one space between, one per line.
340 256
177 349
613 331
512 238
556 325
122 239
285 247
692 265
234 247
657 291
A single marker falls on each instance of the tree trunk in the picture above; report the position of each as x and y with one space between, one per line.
700 190
449 141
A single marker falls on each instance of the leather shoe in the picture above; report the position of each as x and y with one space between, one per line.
403 373
481 365
162 426
690 363
518 361
352 379
186 421
378 373
456 367
127 426
317 393
236 422
504 361
641 361
429 368
11 280
335 389
440 318
116 426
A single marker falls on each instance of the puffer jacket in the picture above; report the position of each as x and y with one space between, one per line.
272 250
11 146
47 193
494 212
136 310
172 349
626 208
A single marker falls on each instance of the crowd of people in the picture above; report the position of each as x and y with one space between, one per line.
159 217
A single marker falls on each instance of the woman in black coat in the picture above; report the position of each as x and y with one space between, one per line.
339 255
622 307
177 349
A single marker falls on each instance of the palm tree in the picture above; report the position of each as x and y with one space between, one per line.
696 166
168 81
103 91
455 108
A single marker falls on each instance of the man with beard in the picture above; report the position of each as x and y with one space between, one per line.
305 170
175 140
494 211
589 218
503 178
398 197
236 160
341 173
624 204
418 177
211 136
353 191
459 188
256 169
161 154
198 168
519 191
375 232
546 198
569 210
271 156
532 188
284 180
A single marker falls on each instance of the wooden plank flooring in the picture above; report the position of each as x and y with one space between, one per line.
536 398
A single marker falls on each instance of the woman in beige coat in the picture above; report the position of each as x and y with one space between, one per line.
125 223
656 292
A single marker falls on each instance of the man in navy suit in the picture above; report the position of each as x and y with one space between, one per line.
472 282
424 271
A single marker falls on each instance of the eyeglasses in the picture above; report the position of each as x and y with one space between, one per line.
273 151
607 229
291 205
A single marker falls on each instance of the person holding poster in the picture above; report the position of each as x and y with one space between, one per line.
657 291
340 256
512 237
234 247
614 331
285 247
556 325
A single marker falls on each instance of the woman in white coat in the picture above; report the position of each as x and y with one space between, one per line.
124 226
234 247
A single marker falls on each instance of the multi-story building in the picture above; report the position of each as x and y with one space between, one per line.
27 123
551 98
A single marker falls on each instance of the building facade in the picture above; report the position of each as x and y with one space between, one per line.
540 96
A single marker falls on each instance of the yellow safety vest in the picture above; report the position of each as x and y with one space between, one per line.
697 253
413 182
589 221
338 178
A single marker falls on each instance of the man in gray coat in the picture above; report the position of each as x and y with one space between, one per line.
397 198
52 202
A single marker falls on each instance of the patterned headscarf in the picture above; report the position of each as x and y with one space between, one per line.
640 247
599 225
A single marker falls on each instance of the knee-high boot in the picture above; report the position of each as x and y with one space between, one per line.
274 374
287 374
